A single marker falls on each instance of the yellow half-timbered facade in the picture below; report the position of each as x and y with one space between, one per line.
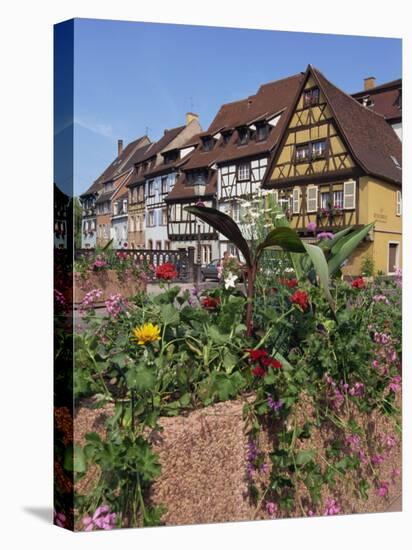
338 164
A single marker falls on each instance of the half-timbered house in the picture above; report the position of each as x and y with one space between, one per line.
229 163
153 178
114 179
119 233
107 183
339 164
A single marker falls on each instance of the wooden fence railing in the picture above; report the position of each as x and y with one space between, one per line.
183 260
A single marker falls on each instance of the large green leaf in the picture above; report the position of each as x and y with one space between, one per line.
283 237
140 378
225 225
317 256
345 246
328 244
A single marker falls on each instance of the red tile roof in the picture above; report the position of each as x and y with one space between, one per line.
386 99
123 162
372 141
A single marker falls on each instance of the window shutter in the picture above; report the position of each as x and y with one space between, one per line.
398 203
296 200
159 217
147 219
312 199
349 195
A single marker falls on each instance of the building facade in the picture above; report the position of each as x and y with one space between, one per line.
119 220
153 179
338 164
97 200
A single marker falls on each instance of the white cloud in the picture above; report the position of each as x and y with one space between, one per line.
105 130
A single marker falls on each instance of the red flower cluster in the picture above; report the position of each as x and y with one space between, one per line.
301 299
209 302
261 357
290 283
166 271
358 283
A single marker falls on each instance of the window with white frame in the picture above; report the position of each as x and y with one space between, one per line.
337 199
325 200
150 188
164 216
312 199
349 195
398 203
243 171
152 218
296 200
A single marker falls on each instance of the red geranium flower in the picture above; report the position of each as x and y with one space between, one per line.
275 364
209 302
257 354
358 283
301 299
259 371
166 271
290 283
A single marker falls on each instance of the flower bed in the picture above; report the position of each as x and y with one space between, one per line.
206 471
319 359
109 282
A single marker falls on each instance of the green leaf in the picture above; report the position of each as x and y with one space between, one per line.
217 336
170 314
74 460
303 457
283 237
225 225
345 246
141 378
319 261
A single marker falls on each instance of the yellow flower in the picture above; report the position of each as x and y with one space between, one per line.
146 333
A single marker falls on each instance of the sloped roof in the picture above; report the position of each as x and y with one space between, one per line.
385 99
183 191
121 163
271 99
372 141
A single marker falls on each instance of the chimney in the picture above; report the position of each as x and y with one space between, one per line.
119 147
190 117
369 83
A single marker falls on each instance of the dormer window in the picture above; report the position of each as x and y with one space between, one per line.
196 177
311 97
368 101
208 143
170 156
398 101
226 137
243 135
261 132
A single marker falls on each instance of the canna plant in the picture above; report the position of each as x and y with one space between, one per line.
325 258
283 237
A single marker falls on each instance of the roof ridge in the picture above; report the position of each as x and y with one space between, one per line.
348 96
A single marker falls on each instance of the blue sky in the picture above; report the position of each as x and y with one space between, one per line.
136 77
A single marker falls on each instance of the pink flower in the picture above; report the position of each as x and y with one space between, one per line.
311 227
353 441
115 304
332 507
311 513
102 519
377 459
375 364
357 390
271 508
395 384
389 440
90 298
383 489
60 519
